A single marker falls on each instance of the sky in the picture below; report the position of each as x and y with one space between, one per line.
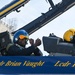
32 10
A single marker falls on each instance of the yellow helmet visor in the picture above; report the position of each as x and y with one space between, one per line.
23 37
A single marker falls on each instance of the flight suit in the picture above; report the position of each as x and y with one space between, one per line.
17 50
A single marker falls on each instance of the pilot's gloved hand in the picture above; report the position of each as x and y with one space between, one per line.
37 42
31 41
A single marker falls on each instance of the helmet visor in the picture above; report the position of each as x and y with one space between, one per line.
23 37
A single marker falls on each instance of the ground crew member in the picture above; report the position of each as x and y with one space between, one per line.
69 36
18 48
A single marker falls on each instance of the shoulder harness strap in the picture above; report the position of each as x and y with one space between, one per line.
9 45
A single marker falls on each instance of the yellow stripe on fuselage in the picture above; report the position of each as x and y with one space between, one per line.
11 7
